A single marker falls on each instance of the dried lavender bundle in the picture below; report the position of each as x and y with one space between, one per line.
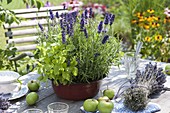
144 85
136 98
152 77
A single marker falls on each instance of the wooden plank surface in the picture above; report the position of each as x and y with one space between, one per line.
22 40
114 79
39 14
26 47
26 23
42 9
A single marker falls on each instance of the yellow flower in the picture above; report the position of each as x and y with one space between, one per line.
165 20
147 39
156 18
153 25
146 26
157 24
150 11
158 37
133 21
141 19
139 15
149 19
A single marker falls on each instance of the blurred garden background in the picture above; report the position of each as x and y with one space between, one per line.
147 21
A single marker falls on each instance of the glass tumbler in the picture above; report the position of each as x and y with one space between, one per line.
33 110
131 63
58 107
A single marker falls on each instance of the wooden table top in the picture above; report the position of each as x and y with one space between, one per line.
47 95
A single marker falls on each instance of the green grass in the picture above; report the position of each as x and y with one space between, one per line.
18 4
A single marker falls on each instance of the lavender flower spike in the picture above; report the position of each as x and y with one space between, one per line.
57 15
90 13
112 18
100 27
106 19
41 27
51 14
105 39
85 14
63 37
82 23
85 33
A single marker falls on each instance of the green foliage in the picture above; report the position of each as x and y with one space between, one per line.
8 16
54 59
5 64
36 3
122 26
22 66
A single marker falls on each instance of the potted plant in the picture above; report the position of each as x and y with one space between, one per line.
77 50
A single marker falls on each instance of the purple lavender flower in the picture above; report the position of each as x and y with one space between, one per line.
85 33
27 6
71 33
64 6
90 13
112 18
51 14
57 15
82 23
47 4
63 37
82 15
61 24
85 13
68 29
100 27
62 15
106 19
106 37
41 27
110 15
74 14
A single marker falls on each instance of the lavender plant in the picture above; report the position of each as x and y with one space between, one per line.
77 47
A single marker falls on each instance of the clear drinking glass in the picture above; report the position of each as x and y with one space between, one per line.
33 110
131 63
58 107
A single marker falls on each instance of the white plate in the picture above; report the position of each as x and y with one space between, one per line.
23 91
8 76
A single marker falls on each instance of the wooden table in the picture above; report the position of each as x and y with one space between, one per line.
47 96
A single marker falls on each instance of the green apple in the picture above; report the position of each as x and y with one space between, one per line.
33 85
167 69
90 105
105 106
31 98
103 98
109 93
